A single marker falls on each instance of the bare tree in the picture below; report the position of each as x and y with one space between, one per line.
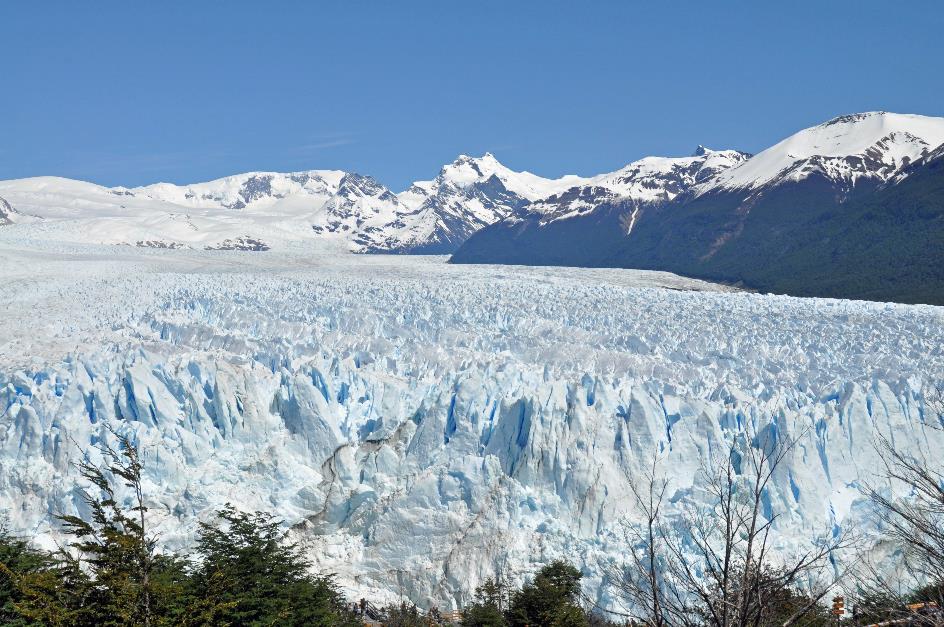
640 582
914 525
933 394
715 564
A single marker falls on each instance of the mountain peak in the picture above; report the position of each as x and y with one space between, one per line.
485 158
852 118
701 151
889 140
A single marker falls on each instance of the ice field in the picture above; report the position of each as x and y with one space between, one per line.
421 425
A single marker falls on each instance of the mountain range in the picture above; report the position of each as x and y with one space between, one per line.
260 210
849 208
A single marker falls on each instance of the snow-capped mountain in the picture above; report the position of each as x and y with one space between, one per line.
797 217
333 206
468 194
847 150
466 172
648 181
350 211
241 190
709 214
346 210
575 226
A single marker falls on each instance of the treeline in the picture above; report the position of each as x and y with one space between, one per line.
715 565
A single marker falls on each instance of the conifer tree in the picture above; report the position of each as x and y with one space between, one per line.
552 599
250 574
114 543
491 598
19 562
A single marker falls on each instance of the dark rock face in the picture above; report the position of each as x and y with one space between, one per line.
243 242
151 243
6 212
254 188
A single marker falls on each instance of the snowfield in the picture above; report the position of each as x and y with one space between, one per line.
864 146
421 425
342 210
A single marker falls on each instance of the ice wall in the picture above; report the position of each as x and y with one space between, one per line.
423 427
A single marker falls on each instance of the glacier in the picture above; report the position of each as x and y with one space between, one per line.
421 426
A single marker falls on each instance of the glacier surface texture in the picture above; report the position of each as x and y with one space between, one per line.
422 425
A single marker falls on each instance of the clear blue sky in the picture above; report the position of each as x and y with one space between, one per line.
132 92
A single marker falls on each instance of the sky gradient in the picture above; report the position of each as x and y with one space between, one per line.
132 93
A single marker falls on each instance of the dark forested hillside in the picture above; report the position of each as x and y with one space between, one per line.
805 239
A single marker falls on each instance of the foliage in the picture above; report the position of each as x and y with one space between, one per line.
551 599
250 574
19 562
487 610
61 595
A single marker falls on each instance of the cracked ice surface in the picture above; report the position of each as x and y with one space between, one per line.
421 424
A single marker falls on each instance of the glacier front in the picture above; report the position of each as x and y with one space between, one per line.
422 425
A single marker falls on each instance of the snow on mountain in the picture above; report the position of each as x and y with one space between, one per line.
344 210
937 153
468 171
53 197
659 179
330 206
238 191
468 194
847 150
651 180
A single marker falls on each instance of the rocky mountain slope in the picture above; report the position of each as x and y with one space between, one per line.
6 212
746 222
